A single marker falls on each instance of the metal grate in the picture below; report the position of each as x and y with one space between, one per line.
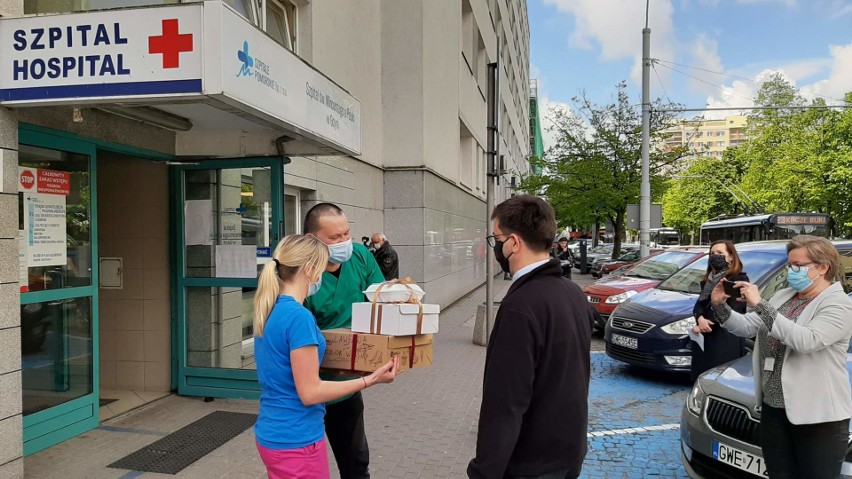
629 355
733 421
632 325
181 448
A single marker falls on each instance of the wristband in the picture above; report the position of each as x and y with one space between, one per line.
365 382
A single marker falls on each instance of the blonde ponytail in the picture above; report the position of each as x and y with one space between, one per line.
293 253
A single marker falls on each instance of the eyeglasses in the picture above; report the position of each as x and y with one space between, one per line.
492 239
799 267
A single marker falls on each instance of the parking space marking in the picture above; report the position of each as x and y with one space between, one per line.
633 430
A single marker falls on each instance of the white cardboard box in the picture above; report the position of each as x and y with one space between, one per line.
396 319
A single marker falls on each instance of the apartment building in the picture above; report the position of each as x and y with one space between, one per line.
153 154
706 137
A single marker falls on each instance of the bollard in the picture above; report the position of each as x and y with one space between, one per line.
480 335
583 257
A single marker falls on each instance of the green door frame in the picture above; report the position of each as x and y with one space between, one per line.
216 382
59 423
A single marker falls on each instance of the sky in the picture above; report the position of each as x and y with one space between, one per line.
708 52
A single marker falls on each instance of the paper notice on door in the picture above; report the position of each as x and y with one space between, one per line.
23 270
198 222
697 337
236 261
45 229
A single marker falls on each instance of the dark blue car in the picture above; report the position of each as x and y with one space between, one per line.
651 329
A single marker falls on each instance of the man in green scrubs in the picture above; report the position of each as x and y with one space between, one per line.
351 269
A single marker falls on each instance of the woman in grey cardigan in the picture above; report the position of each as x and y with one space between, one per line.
799 361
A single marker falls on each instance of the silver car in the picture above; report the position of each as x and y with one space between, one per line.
720 425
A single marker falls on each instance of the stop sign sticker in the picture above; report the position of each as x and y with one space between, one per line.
28 179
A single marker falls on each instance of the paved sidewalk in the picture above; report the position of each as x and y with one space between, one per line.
423 425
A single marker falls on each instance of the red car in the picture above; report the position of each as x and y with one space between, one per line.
606 294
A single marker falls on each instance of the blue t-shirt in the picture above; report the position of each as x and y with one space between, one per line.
283 421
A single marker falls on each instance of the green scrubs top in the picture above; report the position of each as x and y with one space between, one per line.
332 304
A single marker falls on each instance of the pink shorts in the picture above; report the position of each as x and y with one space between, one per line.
309 462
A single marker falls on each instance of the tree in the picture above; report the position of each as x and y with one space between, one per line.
593 171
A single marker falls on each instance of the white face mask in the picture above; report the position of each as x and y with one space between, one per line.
314 287
340 253
377 246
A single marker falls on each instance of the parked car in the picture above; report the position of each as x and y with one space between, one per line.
720 424
603 266
607 293
651 330
603 250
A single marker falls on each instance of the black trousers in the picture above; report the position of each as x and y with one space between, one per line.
344 426
807 451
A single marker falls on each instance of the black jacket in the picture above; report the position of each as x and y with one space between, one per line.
720 346
534 414
388 261
562 255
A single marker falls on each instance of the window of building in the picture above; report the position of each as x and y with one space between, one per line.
467 153
281 22
468 35
720 143
54 6
720 133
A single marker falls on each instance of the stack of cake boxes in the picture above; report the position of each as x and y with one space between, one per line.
394 322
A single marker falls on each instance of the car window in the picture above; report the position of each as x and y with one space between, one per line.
756 264
778 282
663 265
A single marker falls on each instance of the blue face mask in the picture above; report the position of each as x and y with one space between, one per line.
314 287
340 253
799 280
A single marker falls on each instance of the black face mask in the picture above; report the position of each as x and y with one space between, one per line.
498 255
718 262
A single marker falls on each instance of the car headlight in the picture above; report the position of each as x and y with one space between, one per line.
680 327
695 400
620 298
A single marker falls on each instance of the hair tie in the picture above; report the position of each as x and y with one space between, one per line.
277 264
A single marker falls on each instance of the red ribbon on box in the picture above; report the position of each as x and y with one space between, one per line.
354 350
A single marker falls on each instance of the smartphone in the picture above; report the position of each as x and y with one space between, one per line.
730 290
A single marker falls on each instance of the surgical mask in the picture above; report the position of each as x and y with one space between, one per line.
502 259
340 253
314 287
376 246
718 262
799 280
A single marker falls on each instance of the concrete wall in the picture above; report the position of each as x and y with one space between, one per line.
11 447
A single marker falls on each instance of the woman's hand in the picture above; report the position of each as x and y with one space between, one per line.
385 374
704 325
749 293
718 296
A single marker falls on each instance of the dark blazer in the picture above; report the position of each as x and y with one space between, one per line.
534 414
720 346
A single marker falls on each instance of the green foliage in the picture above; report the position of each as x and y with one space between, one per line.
593 171
796 160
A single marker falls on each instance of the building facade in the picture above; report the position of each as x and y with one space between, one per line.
706 137
153 154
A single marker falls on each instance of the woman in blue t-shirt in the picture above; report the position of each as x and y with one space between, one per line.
288 348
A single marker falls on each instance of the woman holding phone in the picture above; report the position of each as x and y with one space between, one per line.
720 346
799 362
288 349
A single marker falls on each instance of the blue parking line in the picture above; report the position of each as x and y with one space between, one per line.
636 415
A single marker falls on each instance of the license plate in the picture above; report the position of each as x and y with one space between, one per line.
740 459
620 340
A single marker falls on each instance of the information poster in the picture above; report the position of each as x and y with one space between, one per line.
198 220
236 261
45 229
23 269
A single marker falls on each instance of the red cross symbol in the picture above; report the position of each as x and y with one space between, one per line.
170 44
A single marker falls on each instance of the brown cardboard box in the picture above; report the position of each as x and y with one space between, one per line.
367 352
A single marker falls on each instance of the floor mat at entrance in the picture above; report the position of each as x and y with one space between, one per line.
181 448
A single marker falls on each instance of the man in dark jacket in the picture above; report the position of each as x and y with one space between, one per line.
534 413
386 256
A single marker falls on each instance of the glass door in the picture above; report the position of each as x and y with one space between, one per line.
57 231
230 217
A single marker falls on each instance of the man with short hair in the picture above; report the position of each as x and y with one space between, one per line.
386 256
534 413
350 271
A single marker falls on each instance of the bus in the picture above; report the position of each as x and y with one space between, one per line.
780 226
664 237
